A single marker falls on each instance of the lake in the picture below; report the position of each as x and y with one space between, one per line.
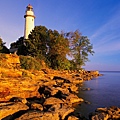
104 92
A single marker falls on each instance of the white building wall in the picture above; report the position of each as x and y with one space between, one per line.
29 23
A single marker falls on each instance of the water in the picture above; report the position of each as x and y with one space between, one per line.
105 92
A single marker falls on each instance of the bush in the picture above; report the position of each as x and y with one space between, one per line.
63 64
30 63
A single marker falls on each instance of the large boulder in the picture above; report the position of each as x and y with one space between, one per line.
10 108
18 87
37 115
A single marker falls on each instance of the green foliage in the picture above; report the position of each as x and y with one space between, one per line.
48 45
20 45
64 64
3 48
52 47
1 44
58 48
80 48
30 63
36 45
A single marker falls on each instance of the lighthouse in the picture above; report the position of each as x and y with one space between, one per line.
29 21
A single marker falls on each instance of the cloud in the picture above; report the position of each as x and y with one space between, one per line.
107 37
111 25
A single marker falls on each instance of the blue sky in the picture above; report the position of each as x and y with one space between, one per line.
97 19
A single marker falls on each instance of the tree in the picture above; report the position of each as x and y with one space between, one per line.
80 48
1 44
58 48
3 48
36 44
48 45
18 43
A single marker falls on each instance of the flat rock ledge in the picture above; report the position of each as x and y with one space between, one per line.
41 95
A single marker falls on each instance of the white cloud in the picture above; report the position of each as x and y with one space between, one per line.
107 38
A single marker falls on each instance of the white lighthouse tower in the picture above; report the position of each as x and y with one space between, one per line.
29 21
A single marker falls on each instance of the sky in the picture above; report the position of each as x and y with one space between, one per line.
99 20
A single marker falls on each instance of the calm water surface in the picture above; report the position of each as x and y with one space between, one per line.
105 92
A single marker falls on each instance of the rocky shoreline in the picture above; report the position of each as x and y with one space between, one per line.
42 95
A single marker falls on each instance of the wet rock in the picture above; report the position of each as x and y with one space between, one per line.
86 102
11 108
85 89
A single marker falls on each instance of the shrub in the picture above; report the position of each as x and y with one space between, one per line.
30 63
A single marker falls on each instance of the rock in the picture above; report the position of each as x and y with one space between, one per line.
49 83
101 109
4 93
73 99
85 89
73 88
61 78
54 91
87 102
63 90
94 73
52 101
65 111
36 106
77 81
62 109
37 115
55 107
11 108
18 87
106 113
73 118
18 99
45 90
100 116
